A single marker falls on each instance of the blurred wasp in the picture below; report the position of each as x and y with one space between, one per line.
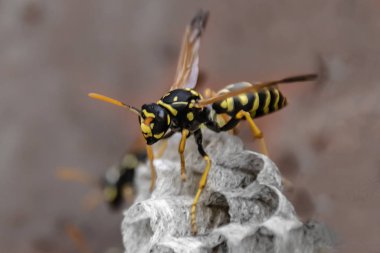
117 184
184 110
118 181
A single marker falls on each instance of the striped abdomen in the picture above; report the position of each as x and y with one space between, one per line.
259 103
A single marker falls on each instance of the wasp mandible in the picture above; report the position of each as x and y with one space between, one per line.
184 110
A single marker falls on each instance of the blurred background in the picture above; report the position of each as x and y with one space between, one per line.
52 53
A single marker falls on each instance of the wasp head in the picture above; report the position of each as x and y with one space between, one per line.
154 122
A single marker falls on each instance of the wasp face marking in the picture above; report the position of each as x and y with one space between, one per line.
154 122
168 107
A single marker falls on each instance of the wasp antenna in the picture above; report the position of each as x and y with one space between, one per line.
115 102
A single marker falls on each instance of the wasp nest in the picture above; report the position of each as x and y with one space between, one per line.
242 208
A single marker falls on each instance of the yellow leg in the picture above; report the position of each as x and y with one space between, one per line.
257 133
181 150
149 152
202 184
162 148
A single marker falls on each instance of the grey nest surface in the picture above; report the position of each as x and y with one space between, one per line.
242 208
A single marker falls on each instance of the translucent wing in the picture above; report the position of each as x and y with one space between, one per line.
187 69
256 87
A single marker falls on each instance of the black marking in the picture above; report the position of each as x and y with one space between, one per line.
273 100
251 99
262 100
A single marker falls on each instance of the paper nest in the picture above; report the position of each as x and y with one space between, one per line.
242 208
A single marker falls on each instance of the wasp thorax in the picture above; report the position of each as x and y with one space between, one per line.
154 122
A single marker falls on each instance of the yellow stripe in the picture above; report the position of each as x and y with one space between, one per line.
158 136
145 129
223 104
255 104
230 104
195 93
267 102
168 107
243 99
180 103
277 95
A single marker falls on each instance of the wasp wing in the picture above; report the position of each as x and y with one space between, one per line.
187 68
256 87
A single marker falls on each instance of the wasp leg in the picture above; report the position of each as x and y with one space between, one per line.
256 132
149 152
181 150
202 182
263 147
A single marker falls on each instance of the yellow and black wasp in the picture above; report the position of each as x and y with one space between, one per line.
184 110
117 183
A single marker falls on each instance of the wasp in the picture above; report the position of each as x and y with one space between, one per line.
184 110
117 183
